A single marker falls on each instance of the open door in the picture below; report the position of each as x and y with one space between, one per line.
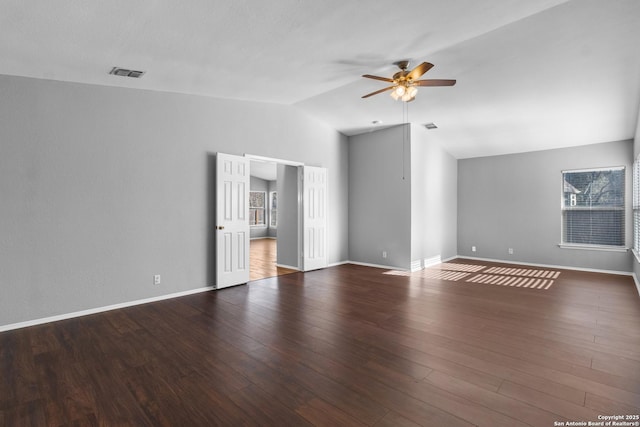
314 218
232 220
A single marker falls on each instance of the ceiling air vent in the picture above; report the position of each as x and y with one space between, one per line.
123 72
430 126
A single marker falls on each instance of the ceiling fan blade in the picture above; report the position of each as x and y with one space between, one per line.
384 79
419 70
379 91
435 82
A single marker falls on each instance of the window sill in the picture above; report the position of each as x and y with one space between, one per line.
593 247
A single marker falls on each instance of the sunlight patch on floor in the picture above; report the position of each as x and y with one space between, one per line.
501 276
430 273
513 281
459 267
549 274
445 271
441 274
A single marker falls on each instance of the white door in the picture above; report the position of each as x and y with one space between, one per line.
232 220
314 218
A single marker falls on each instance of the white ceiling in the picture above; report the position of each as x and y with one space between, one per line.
532 74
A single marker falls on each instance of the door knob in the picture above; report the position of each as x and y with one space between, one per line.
220 227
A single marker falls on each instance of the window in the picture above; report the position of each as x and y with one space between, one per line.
636 207
256 208
273 209
593 207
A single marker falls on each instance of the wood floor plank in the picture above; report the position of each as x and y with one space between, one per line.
258 405
423 353
158 399
527 413
547 402
18 372
347 345
356 405
393 419
385 364
604 405
31 413
442 402
320 413
617 365
263 259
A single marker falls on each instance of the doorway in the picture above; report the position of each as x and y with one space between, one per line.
273 218
303 187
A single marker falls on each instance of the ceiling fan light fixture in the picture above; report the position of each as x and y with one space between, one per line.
404 83
404 92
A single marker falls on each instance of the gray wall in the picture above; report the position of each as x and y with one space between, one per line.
380 197
102 187
434 189
289 216
259 184
513 201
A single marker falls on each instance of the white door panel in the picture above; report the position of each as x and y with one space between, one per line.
232 223
314 218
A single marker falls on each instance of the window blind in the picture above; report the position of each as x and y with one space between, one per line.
593 207
636 206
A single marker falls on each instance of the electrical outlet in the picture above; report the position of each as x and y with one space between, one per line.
510 251
473 248
156 279
384 254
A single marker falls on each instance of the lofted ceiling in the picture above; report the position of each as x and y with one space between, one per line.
532 75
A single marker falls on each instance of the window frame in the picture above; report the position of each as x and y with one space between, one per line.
272 209
635 207
263 209
563 208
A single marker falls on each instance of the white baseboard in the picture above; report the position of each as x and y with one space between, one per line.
81 313
415 266
336 264
635 280
366 264
563 267
420 264
425 263
290 267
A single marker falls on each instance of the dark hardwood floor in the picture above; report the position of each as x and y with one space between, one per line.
263 257
467 343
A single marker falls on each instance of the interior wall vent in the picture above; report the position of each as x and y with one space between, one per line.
123 72
430 126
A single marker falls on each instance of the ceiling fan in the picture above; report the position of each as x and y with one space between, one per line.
405 82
